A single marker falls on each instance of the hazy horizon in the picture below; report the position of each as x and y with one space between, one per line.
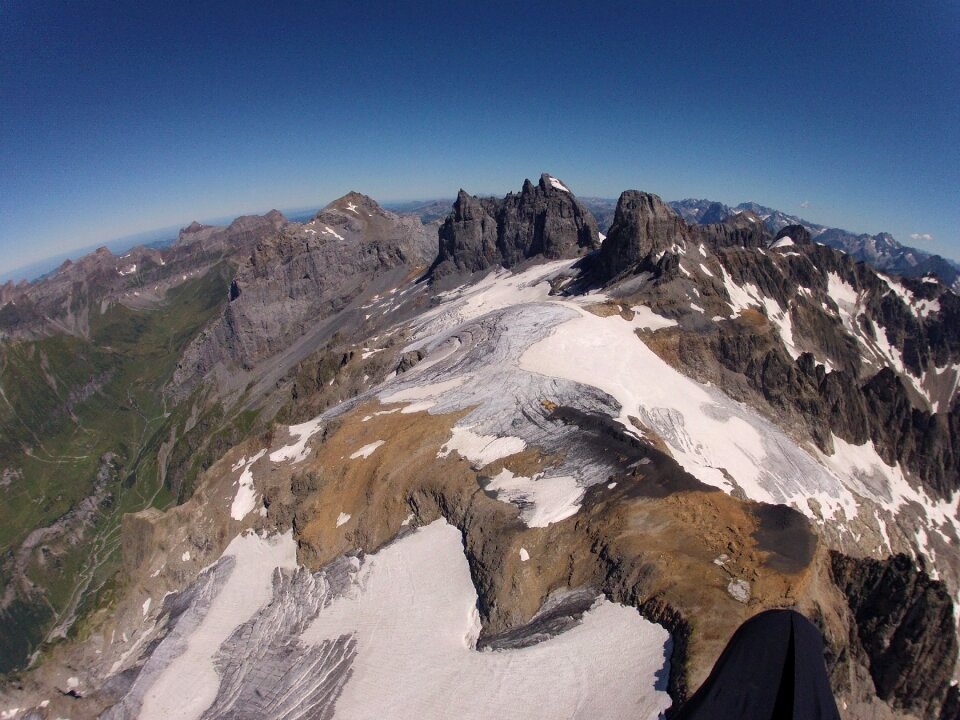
43 266
126 117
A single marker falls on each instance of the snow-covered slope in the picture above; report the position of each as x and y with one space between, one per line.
390 635
549 491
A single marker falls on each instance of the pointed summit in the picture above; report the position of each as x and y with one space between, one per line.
643 226
543 220
357 204
548 182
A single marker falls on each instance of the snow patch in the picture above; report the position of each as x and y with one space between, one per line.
739 590
298 452
342 519
413 614
246 498
189 684
367 450
330 231
647 319
480 450
723 443
524 555
542 500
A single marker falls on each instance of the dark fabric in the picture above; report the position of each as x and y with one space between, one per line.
772 669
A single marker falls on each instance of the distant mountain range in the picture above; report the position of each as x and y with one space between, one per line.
502 430
881 251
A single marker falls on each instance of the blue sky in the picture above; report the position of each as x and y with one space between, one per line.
121 117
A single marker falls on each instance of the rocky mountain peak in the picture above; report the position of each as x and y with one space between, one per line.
248 222
643 225
541 220
358 204
548 183
192 228
792 235
716 213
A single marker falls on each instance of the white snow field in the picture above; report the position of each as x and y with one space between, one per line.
412 608
189 684
515 345
246 498
408 617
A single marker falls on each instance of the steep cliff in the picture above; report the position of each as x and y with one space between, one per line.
543 220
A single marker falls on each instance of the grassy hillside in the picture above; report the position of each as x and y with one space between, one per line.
81 424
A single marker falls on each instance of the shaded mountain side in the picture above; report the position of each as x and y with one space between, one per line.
297 278
905 629
541 220
882 250
867 368
66 301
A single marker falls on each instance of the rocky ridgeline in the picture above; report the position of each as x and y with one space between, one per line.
856 398
296 277
881 251
64 301
542 220
904 627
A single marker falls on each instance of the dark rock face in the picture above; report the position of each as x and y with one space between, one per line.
297 277
468 238
904 627
643 226
542 220
738 230
716 213
797 233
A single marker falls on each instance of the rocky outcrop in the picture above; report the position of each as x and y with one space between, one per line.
738 230
797 234
66 301
299 276
543 220
904 628
643 228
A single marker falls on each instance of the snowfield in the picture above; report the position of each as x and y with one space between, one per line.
412 610
393 636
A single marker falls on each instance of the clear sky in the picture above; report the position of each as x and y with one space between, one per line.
124 116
